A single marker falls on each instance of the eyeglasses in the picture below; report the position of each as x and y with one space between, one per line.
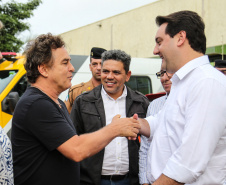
160 74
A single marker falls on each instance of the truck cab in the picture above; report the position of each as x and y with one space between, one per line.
13 84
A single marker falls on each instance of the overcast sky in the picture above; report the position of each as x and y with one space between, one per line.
59 16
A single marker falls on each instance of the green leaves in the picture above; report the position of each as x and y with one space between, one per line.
12 15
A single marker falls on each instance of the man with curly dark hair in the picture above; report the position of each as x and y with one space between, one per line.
46 147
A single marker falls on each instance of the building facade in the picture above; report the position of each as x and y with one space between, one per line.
134 31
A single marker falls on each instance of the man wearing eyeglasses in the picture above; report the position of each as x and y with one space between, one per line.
220 65
153 109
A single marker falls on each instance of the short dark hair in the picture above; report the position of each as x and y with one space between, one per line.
117 55
188 21
39 51
220 63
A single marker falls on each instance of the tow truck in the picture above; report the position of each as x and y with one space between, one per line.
13 84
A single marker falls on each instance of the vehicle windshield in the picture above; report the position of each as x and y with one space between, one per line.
5 78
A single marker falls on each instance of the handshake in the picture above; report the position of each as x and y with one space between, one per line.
128 127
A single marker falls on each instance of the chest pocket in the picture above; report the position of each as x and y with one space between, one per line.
137 108
91 120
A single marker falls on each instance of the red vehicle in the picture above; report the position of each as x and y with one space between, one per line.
151 97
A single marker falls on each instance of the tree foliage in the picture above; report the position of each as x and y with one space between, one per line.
12 15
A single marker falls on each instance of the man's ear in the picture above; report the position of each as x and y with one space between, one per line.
128 75
90 66
43 70
181 38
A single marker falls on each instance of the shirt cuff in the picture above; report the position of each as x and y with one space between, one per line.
179 173
152 123
143 178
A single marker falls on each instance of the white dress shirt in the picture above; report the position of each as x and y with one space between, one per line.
154 107
116 156
189 135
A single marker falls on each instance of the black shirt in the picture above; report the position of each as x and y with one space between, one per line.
39 126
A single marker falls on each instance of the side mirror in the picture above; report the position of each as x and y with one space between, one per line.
9 103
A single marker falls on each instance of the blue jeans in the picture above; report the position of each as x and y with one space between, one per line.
110 182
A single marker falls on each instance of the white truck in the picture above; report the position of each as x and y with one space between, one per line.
143 76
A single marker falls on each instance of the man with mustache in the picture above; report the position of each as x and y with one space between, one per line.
118 162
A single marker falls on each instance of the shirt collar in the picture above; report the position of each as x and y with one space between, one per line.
124 93
188 67
167 94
